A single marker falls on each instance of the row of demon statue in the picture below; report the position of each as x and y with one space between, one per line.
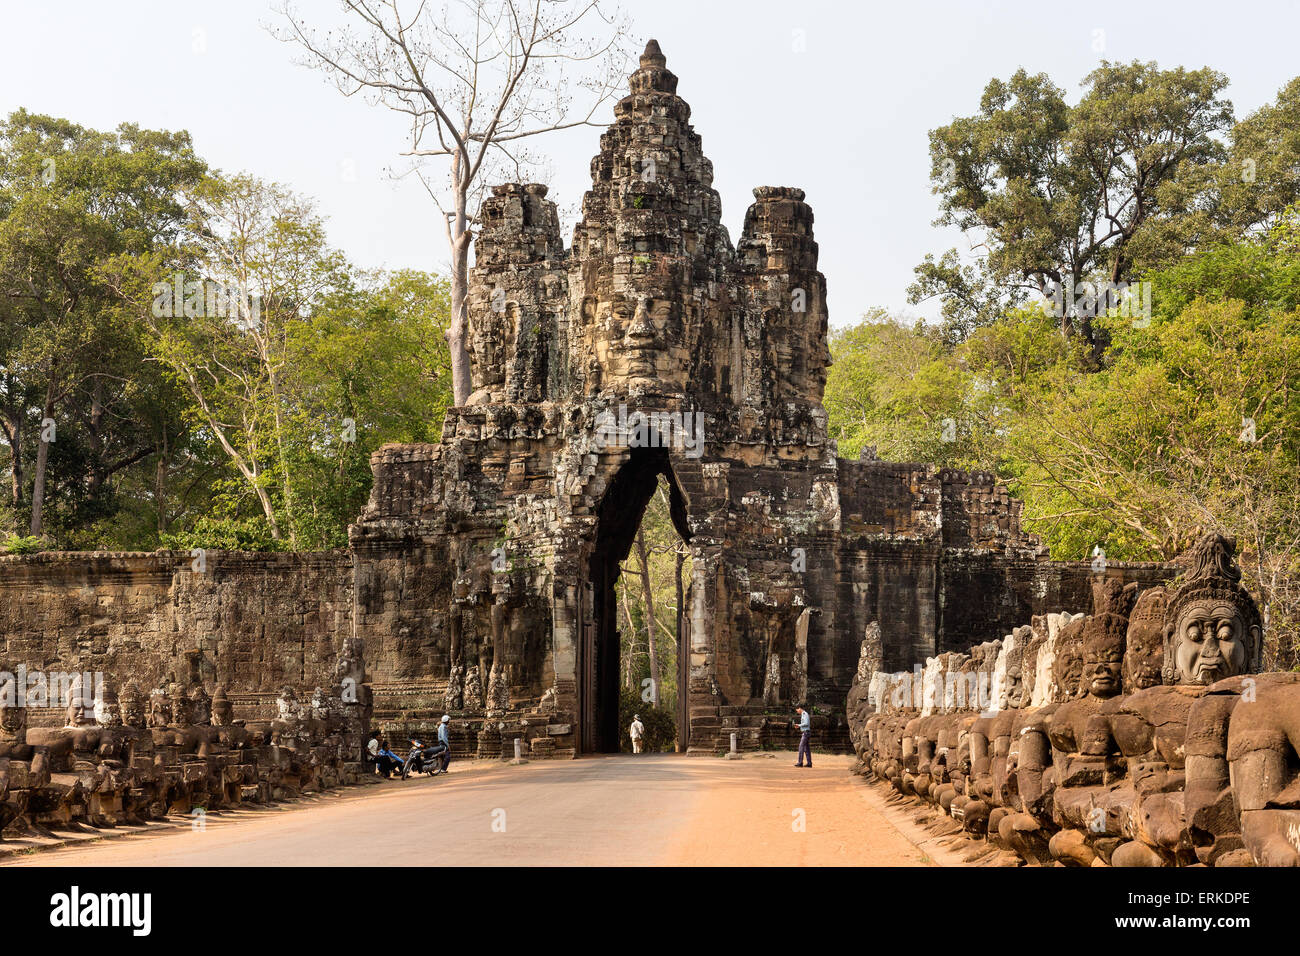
1140 735
129 758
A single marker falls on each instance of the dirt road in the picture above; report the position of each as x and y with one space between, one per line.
618 810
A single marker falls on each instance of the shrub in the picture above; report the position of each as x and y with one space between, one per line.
24 544
660 724
225 534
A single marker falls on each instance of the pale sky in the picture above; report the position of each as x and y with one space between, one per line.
845 118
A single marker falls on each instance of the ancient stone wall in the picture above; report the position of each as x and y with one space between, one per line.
175 751
251 622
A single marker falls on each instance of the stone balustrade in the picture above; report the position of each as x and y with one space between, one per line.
1140 735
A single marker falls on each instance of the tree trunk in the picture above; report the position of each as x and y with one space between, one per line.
96 438
247 469
677 574
42 458
458 330
289 516
649 616
160 483
631 630
13 427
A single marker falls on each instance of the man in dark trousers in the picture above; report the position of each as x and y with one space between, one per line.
389 763
444 738
805 734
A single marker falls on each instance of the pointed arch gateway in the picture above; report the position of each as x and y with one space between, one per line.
794 551
617 519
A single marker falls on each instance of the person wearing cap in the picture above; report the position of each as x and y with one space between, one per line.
444 738
638 732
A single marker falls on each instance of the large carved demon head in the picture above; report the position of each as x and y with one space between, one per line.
1212 630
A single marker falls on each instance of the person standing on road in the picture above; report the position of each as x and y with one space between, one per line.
444 738
805 735
637 731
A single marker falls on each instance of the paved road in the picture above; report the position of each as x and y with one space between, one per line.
617 810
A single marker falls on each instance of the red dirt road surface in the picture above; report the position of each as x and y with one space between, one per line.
616 810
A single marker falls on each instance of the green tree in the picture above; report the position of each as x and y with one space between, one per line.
370 366
904 391
1053 193
1262 179
1192 424
259 264
71 200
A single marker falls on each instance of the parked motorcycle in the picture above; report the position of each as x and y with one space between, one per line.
424 758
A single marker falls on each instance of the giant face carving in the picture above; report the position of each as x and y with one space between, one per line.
1210 642
1067 667
223 711
80 712
12 717
1212 629
200 706
639 341
1145 641
159 709
132 706
107 711
1102 668
1104 637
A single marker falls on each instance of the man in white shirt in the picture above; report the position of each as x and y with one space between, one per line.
805 734
638 732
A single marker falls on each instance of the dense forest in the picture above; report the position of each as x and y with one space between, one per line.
1122 345
186 361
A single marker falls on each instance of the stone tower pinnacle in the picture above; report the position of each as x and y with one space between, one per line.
653 56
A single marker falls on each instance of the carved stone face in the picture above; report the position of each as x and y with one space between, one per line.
1213 624
1145 642
132 708
78 714
638 340
287 704
1102 669
1210 642
180 710
12 718
107 711
200 707
223 711
1067 667
159 710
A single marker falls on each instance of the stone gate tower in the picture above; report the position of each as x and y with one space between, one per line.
485 565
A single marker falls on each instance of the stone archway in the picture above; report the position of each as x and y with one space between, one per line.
523 506
617 520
